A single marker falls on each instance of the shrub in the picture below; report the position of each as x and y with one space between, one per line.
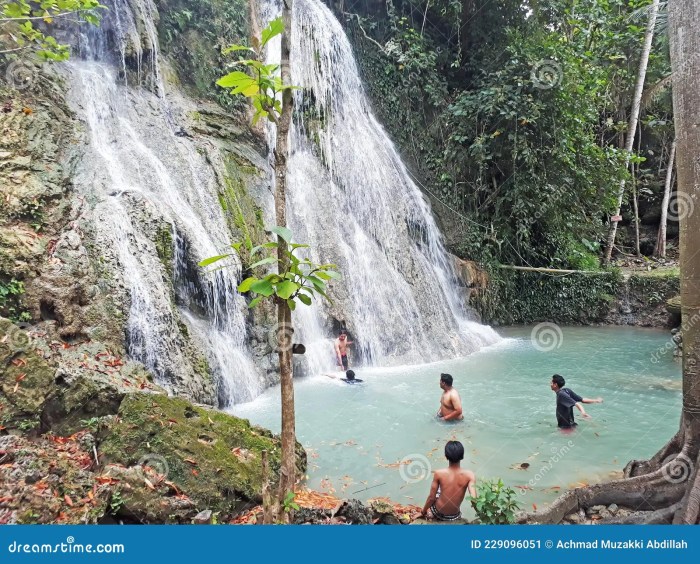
494 503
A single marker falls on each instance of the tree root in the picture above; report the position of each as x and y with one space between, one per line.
668 493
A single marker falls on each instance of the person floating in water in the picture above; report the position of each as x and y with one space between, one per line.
349 377
450 403
449 487
566 400
341 350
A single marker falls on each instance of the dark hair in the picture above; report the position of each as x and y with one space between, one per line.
454 451
350 375
343 332
446 378
558 380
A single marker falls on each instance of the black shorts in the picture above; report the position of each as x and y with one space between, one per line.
344 359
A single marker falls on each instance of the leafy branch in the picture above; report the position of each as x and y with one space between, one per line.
21 15
297 278
263 84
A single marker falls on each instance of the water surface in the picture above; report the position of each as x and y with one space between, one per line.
357 434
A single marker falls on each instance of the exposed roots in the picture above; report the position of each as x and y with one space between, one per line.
664 489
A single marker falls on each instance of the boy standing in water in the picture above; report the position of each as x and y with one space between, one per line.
566 400
449 487
341 350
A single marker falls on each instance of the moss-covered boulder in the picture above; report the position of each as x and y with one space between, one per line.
211 457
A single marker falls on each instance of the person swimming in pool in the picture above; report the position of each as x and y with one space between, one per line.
349 377
450 402
449 487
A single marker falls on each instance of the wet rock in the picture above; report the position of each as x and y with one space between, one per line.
613 508
307 516
355 512
203 517
222 472
383 513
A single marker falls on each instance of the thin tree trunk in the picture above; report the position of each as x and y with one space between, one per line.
660 250
633 120
635 194
284 314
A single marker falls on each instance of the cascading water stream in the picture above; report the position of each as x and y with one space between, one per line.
351 197
138 176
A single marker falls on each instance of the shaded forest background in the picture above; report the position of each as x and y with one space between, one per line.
512 117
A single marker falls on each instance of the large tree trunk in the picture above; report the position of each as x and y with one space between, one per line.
284 314
633 120
660 249
667 486
684 16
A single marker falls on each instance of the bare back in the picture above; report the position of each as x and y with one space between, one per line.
453 484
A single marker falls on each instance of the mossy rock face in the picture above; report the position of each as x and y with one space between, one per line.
213 458
673 305
26 380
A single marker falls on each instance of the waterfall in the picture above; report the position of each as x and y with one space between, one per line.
351 198
137 176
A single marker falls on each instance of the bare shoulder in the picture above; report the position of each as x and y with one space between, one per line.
440 473
469 475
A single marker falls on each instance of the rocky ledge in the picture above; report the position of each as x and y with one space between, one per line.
86 437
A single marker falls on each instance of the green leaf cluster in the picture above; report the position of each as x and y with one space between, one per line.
495 504
20 18
262 83
296 280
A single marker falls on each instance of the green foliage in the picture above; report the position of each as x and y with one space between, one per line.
193 34
21 19
289 504
265 85
495 503
297 278
512 116
520 297
10 300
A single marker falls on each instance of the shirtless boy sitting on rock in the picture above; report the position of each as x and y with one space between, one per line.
449 487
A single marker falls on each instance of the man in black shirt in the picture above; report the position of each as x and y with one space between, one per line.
566 400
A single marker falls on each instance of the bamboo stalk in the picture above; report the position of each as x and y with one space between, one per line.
551 270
